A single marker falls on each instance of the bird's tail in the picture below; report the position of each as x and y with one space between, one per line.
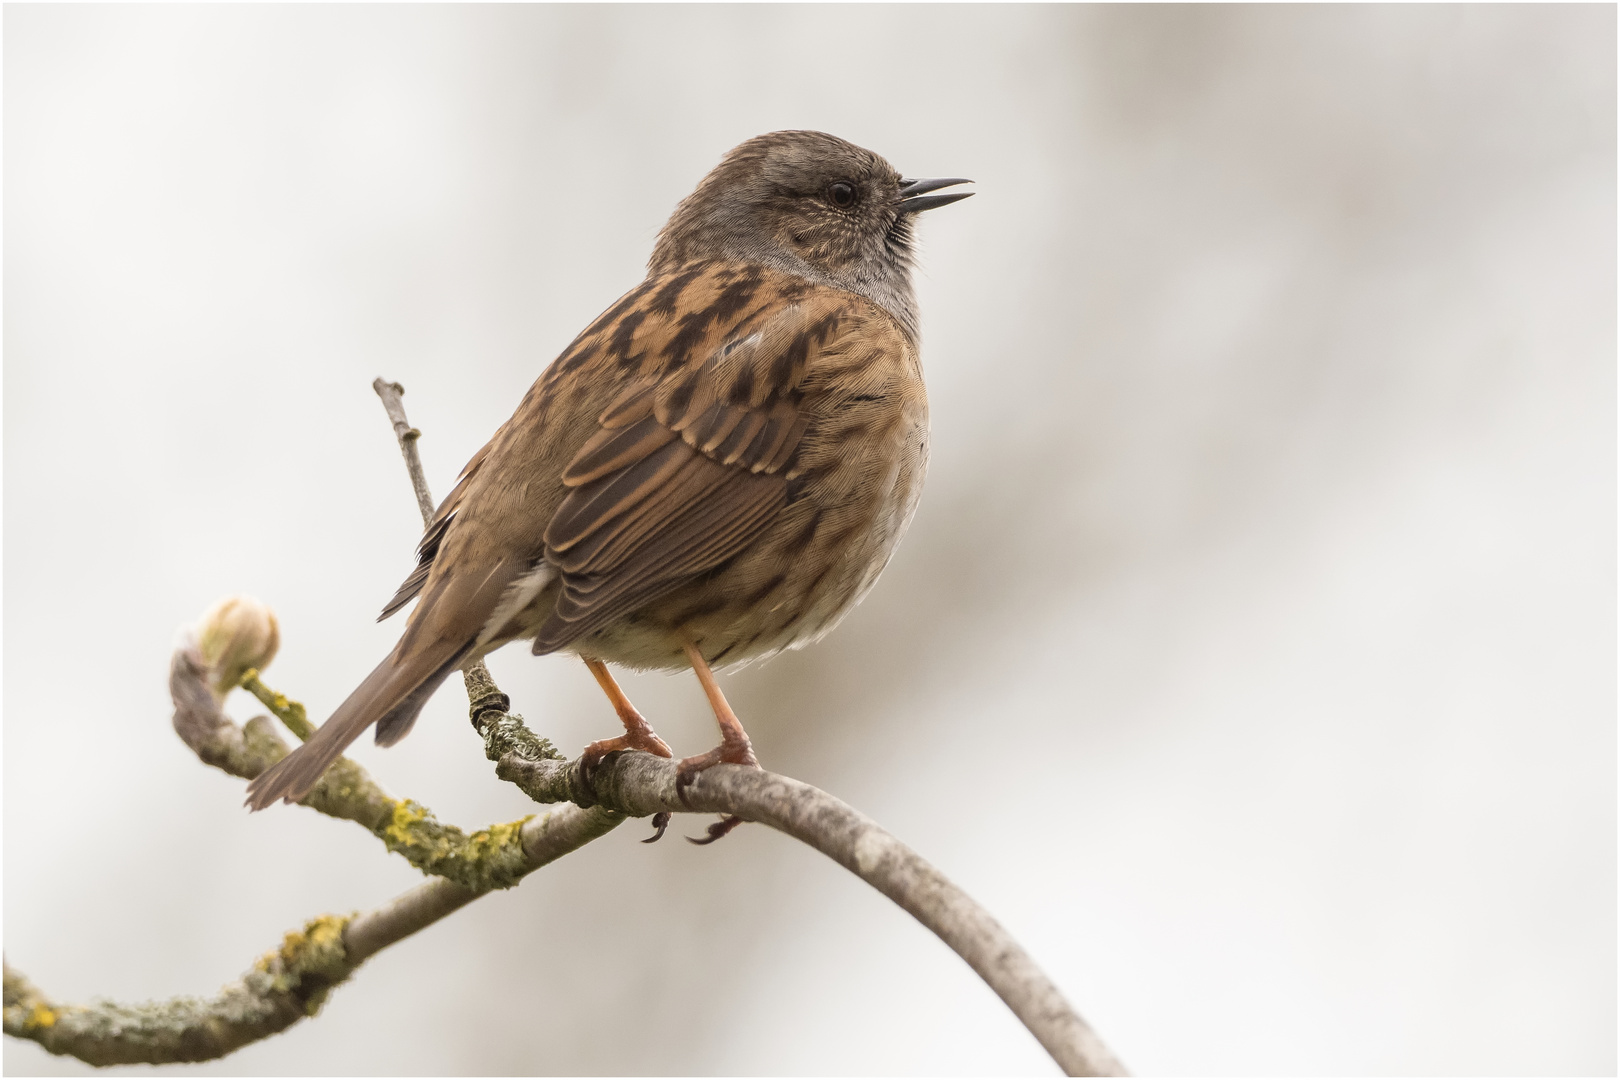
391 697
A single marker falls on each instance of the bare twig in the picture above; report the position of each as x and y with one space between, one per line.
390 392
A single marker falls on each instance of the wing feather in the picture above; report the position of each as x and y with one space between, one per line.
613 449
684 473
604 503
698 540
630 525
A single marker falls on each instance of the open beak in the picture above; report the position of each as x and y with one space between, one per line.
914 197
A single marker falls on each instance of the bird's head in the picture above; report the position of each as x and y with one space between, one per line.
810 204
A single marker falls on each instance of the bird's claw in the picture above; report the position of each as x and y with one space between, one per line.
660 822
717 830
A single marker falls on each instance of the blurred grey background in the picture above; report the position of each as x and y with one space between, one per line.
1252 656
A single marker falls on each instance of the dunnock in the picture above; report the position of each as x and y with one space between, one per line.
718 468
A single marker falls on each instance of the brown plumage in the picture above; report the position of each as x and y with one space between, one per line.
718 468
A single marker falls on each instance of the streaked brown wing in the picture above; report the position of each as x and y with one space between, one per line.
683 474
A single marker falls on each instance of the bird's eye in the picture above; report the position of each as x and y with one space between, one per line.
842 193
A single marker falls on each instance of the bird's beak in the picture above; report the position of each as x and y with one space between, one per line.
914 197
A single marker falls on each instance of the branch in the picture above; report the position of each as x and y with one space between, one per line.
292 982
282 987
292 714
491 858
637 784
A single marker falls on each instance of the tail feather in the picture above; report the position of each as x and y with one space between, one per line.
402 717
393 693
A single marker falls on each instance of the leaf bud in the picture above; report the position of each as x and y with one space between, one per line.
235 635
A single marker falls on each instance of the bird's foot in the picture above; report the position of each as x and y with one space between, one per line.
642 737
645 739
733 751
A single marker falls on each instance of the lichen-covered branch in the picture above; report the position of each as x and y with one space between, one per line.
283 986
490 858
292 714
292 982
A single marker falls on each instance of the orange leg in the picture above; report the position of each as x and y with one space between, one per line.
734 745
638 734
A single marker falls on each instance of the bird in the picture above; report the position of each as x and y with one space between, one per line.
716 469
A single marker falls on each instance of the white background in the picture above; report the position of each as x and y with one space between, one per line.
1252 656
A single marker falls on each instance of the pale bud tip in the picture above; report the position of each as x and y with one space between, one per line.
236 634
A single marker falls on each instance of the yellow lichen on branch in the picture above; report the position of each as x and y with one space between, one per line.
491 858
283 986
289 712
311 960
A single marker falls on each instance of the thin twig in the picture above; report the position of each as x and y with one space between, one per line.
290 713
390 392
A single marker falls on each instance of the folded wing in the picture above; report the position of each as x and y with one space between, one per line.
682 475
